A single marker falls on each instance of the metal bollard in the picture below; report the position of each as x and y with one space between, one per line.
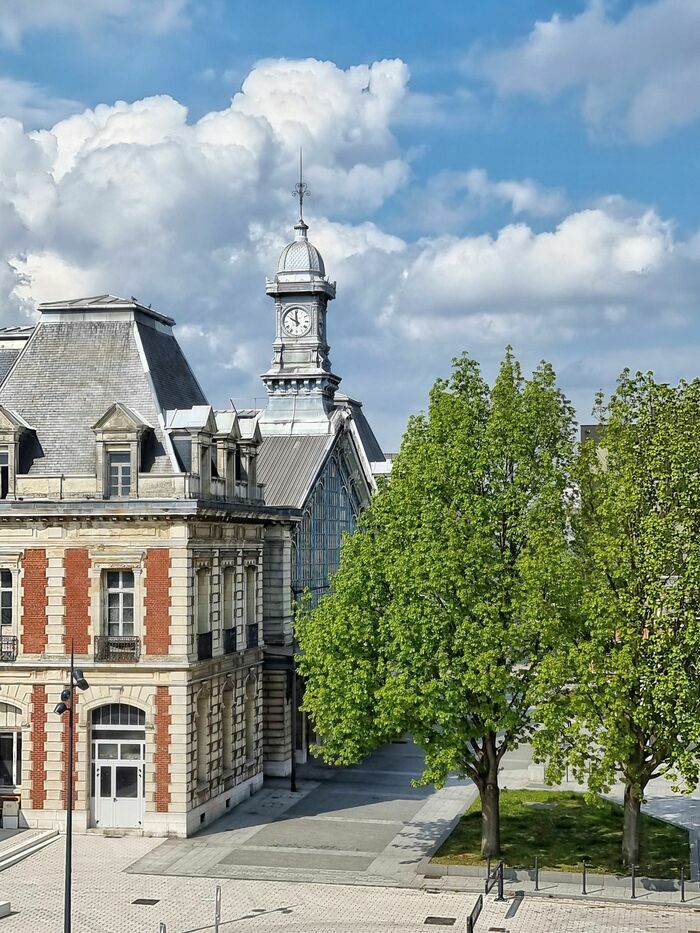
217 909
488 868
682 884
161 927
634 879
537 874
583 890
500 896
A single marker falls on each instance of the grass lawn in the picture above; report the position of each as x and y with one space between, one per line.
560 827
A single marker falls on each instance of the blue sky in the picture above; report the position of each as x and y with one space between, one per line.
515 173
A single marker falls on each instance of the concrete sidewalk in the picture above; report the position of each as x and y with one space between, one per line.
361 825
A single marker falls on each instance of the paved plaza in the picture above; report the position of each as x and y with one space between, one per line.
104 896
364 829
361 825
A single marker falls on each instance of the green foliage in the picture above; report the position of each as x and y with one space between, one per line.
631 678
559 827
453 587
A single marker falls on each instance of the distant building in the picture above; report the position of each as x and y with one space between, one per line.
165 541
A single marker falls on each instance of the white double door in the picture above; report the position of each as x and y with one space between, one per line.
118 785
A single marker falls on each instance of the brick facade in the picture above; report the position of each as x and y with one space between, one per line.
162 755
157 601
77 600
34 601
38 792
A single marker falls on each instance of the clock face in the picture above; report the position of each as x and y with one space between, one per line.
296 321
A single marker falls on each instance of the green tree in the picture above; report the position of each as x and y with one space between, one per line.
625 698
451 590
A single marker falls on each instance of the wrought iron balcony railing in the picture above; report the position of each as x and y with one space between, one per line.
204 646
251 635
117 648
229 640
8 647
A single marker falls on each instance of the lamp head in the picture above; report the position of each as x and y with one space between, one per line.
60 708
79 680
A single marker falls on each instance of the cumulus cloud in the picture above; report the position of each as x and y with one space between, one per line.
137 199
23 16
639 74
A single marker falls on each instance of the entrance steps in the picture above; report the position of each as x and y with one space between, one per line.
25 844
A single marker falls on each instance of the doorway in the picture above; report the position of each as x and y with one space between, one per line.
118 743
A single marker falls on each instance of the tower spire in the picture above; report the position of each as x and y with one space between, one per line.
301 189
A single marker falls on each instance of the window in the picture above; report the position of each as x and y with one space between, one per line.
5 601
203 601
202 739
227 730
251 608
228 622
4 474
250 691
119 465
120 602
10 759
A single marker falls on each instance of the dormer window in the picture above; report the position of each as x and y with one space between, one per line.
119 474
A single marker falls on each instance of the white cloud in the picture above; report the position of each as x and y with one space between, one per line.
639 74
18 17
135 199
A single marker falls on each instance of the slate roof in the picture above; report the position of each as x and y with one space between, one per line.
288 465
7 358
72 370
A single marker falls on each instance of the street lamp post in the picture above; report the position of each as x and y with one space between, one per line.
67 704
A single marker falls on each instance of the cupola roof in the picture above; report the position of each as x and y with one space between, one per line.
300 256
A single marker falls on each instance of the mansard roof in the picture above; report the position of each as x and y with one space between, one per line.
84 356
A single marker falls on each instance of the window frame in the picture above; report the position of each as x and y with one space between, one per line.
125 465
7 628
121 591
16 757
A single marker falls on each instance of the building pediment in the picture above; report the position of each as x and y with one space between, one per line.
120 419
11 422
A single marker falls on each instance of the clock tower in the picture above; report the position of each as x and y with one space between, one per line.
300 384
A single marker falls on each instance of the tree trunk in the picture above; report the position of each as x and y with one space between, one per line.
630 831
490 818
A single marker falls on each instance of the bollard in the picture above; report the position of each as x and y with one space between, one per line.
634 879
584 891
537 874
217 909
500 896
161 927
682 884
488 868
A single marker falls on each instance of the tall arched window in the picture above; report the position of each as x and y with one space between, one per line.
227 729
250 698
202 738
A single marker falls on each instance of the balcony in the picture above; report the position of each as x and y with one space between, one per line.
8 647
117 648
229 640
204 646
251 635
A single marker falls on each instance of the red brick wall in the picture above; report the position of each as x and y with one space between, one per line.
38 794
157 601
76 599
66 734
162 756
34 601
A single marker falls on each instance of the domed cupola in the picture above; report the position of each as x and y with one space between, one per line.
300 256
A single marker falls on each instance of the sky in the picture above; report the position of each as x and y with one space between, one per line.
481 174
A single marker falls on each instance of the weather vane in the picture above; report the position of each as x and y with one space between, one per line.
301 189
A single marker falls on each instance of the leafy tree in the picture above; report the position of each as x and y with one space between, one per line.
451 590
625 699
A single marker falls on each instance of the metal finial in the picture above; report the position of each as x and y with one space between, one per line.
301 189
